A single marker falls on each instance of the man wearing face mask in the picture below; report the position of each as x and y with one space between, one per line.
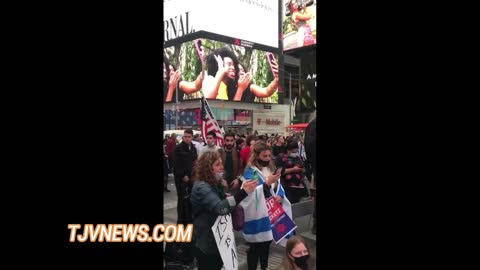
211 146
231 160
293 172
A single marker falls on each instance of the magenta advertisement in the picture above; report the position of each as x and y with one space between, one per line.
299 23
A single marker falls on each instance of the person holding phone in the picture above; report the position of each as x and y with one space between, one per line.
227 79
293 174
254 90
257 231
171 80
209 201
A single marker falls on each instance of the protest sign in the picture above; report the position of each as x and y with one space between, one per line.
225 239
281 223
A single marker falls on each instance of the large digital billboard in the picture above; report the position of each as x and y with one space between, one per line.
253 20
220 70
308 94
299 23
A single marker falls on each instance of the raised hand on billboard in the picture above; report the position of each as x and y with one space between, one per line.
243 83
275 68
222 69
174 76
192 87
172 84
268 91
244 80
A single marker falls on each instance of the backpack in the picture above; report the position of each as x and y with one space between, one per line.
238 218
178 253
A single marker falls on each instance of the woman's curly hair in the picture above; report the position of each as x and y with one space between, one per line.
203 168
212 68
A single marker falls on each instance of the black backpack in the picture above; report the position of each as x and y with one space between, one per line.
178 255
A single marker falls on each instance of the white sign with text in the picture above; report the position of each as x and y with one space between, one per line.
250 20
225 239
269 122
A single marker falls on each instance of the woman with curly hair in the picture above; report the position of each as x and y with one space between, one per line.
209 201
227 79
222 80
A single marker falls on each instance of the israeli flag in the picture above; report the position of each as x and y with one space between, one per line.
257 226
287 207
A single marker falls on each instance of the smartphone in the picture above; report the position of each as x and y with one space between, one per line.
270 59
278 169
198 47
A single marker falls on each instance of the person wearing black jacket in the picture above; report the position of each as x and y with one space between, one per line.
209 201
310 151
184 156
279 147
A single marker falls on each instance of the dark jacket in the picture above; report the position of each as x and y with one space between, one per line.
183 159
236 162
206 207
310 146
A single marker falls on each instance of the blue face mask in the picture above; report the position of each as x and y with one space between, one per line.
219 176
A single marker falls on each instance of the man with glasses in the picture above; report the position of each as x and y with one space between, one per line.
231 162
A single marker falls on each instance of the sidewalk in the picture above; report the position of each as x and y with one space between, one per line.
276 251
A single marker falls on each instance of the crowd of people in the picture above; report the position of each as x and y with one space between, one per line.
213 181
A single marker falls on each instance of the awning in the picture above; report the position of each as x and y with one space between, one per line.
298 126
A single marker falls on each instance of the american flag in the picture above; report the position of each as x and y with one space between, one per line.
209 123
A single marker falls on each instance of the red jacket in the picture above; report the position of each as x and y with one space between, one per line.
169 148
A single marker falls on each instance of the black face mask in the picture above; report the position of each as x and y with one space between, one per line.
301 261
263 163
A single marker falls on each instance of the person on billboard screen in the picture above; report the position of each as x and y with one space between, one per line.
300 19
255 90
171 78
227 79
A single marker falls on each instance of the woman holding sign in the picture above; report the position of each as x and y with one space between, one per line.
257 230
208 203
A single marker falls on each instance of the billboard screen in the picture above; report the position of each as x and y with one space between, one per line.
299 23
220 70
309 82
253 20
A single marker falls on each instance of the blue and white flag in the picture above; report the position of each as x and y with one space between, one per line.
257 226
287 207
